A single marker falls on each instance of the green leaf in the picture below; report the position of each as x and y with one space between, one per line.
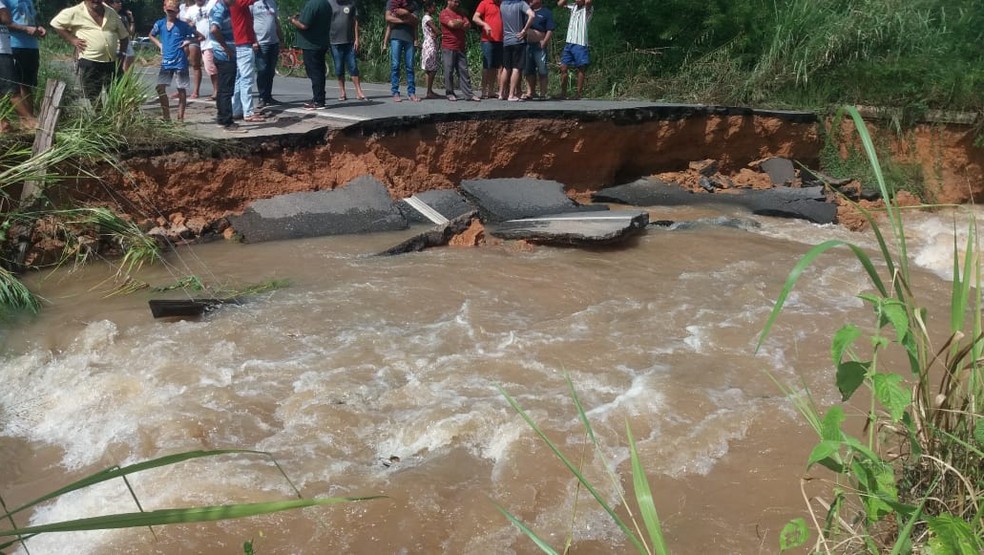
979 430
794 534
890 393
823 451
850 376
179 516
644 497
831 425
953 536
843 339
895 313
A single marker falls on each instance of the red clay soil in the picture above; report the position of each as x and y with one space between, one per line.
585 156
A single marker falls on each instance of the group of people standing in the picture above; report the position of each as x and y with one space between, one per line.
514 38
237 43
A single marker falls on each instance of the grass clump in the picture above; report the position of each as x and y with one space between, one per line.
913 478
646 538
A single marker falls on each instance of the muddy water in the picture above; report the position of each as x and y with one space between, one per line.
372 376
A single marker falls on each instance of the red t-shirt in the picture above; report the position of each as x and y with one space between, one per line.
242 23
489 11
453 38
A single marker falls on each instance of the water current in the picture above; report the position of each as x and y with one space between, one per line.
379 375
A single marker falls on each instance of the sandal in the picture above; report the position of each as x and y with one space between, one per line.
342 98
396 98
413 98
452 98
362 97
313 106
254 119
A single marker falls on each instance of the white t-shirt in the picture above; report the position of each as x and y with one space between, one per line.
197 17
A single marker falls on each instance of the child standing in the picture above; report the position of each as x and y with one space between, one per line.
174 36
428 53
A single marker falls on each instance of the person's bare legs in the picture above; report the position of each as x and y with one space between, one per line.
543 86
357 83
162 97
514 78
23 109
580 82
342 95
182 102
530 86
563 81
503 84
195 61
429 79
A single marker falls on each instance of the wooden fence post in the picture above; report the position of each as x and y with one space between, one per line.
45 136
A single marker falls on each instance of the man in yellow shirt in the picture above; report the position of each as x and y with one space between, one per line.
99 37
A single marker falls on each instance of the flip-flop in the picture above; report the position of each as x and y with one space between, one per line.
396 98
255 119
413 98
363 97
342 98
312 106
452 98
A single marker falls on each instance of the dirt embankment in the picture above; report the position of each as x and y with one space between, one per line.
584 155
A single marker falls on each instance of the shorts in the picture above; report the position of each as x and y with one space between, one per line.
27 63
342 58
574 55
7 83
208 62
167 75
129 50
514 56
536 60
491 55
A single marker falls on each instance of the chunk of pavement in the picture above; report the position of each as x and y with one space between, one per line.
499 200
707 168
437 237
578 228
808 203
360 206
649 192
448 203
780 170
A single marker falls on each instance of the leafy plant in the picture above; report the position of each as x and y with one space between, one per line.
915 477
652 542
162 516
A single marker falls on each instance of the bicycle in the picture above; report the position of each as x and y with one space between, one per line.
291 61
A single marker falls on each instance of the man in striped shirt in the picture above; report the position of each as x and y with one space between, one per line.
576 49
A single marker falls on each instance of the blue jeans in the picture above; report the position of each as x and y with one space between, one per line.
266 65
401 50
343 56
242 98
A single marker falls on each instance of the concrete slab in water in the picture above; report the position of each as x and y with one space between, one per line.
447 202
362 205
579 228
499 200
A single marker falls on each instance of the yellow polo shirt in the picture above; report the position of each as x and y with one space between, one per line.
102 43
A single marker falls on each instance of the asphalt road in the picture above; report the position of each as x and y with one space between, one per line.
293 92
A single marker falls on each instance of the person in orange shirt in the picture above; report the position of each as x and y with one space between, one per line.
487 17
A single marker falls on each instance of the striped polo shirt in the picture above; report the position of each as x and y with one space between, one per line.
577 28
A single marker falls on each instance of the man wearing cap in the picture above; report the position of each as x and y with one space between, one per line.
99 37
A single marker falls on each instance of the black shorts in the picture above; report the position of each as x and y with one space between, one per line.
27 62
514 56
7 83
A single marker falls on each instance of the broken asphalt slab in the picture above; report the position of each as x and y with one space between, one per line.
575 229
447 202
808 203
500 200
362 205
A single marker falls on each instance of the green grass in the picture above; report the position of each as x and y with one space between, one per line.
646 538
914 477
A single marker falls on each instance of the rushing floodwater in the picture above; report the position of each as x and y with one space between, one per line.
363 360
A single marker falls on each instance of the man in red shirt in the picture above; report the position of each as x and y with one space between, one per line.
454 24
245 39
487 17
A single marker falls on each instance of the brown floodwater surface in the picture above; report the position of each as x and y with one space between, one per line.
380 376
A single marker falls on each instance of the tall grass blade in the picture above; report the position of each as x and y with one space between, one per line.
180 516
803 263
540 542
644 497
576 472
